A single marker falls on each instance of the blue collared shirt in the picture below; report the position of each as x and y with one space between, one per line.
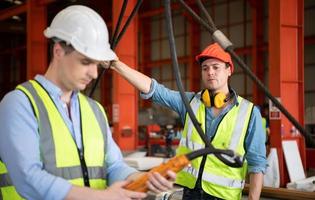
255 139
19 145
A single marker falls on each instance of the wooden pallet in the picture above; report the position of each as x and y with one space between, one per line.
283 193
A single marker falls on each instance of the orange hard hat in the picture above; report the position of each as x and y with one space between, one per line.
215 51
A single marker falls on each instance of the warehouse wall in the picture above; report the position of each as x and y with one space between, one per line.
236 25
233 17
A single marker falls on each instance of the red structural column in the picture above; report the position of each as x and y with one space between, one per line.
106 92
286 73
145 28
194 71
36 45
257 41
125 99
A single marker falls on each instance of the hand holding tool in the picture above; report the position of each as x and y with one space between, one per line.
175 164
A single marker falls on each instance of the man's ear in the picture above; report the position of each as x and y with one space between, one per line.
58 50
230 72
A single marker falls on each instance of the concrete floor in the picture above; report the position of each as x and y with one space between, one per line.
178 196
261 198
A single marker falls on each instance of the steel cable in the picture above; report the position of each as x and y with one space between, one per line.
115 40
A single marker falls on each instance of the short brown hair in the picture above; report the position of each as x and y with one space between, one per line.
68 48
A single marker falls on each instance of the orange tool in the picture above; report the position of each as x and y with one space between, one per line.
175 164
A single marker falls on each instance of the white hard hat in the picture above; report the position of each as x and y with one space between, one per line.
84 29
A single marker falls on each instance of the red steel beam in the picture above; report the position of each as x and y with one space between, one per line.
106 92
45 2
310 152
16 10
286 72
125 98
160 10
158 63
193 67
105 87
146 45
257 40
36 43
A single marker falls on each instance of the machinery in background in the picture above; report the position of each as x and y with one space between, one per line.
159 141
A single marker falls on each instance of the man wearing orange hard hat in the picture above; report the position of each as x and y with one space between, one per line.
228 120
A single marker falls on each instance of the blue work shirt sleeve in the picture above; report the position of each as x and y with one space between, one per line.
255 144
19 149
117 169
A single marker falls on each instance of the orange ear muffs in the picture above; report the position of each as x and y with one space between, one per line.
218 100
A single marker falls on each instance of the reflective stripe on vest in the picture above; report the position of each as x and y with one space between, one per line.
189 127
219 180
7 190
194 106
239 125
5 180
190 144
230 134
264 124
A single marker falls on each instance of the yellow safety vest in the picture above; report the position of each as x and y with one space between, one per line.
59 153
218 179
264 124
8 191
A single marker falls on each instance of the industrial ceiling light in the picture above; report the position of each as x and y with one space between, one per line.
17 18
16 2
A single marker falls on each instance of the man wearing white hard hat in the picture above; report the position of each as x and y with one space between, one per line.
55 142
